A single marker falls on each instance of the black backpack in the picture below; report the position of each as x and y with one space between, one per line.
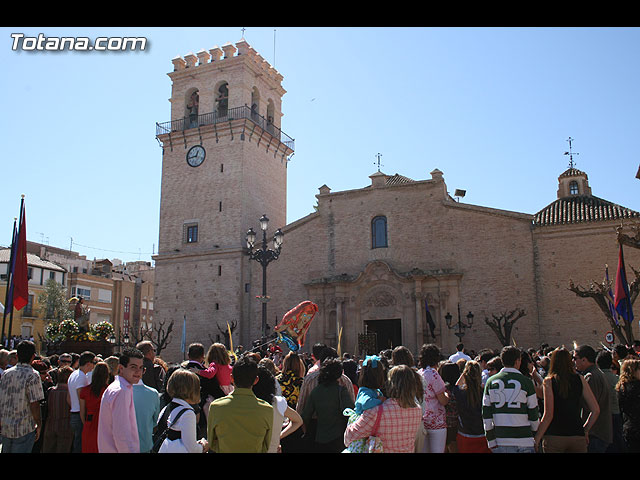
162 429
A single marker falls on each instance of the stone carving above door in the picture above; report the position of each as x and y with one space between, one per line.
380 298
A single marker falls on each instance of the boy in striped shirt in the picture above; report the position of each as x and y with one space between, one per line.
510 407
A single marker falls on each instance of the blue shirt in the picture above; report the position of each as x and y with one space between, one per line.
146 401
367 398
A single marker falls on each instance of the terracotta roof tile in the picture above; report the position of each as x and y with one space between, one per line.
572 172
398 180
580 209
32 260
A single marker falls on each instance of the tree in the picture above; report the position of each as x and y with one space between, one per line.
157 334
54 308
225 333
53 303
628 240
502 324
600 292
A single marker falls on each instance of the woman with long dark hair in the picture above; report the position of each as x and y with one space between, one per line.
285 419
468 393
90 397
291 377
561 429
450 373
628 396
290 380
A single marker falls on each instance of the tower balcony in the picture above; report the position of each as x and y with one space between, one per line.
225 116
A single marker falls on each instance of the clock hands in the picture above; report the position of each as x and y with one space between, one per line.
196 155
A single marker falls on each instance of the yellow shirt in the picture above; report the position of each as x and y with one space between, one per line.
240 423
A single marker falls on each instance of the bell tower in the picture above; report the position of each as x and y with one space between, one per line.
224 165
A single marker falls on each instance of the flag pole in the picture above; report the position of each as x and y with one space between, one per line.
183 342
622 302
8 303
612 310
17 239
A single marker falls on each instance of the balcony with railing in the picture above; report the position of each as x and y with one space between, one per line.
225 116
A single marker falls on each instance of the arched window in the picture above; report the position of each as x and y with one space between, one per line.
255 101
192 106
573 188
222 100
379 232
270 115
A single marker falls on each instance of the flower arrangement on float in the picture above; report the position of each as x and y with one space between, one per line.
101 330
52 332
69 330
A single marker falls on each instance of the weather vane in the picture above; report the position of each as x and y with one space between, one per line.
571 154
378 162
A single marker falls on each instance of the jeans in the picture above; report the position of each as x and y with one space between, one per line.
596 445
19 445
513 449
76 428
618 445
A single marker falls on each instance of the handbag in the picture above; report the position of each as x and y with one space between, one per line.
374 443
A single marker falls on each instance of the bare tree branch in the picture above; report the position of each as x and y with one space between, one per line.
599 293
225 332
503 323
156 335
628 240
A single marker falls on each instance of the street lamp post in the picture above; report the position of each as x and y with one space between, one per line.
120 341
460 325
264 256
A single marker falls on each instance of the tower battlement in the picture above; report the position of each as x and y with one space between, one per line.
224 55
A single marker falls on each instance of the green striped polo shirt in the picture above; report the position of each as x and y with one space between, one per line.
510 409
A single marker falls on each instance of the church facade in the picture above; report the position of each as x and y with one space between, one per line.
396 262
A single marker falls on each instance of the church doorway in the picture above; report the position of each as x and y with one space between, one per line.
388 332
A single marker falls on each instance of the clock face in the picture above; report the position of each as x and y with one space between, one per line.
195 156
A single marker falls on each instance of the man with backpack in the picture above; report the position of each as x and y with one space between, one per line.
209 387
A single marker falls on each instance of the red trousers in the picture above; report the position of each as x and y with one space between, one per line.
472 444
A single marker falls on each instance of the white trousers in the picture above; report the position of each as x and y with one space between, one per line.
435 441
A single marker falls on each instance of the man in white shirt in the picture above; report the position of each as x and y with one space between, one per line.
78 379
459 354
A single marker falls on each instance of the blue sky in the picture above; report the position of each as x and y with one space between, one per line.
492 108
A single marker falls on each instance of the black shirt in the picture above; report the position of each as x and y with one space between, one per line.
567 420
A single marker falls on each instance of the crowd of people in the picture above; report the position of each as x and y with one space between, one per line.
11 342
545 400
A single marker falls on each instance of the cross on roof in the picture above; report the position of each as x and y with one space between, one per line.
571 154
378 162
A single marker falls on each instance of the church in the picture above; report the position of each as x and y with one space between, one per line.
396 262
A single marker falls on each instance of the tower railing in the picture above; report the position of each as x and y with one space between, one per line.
222 116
